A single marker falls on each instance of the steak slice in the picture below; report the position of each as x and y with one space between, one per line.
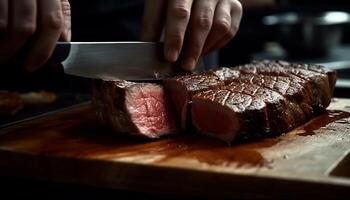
224 114
182 89
139 109
287 95
242 108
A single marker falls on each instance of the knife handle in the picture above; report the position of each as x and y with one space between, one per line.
60 52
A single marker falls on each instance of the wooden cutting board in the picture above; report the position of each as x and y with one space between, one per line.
72 147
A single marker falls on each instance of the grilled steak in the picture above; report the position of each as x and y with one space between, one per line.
140 109
182 88
287 95
262 97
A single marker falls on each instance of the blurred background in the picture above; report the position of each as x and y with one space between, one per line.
311 31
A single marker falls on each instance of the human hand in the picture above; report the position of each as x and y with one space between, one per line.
204 25
41 23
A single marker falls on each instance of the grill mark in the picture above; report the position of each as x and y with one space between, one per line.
226 97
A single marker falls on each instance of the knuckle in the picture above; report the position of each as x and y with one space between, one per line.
181 11
25 29
196 49
54 20
223 25
175 39
203 23
66 8
65 5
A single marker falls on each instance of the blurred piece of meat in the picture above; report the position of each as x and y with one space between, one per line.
10 103
38 98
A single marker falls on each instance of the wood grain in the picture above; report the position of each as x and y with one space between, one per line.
72 147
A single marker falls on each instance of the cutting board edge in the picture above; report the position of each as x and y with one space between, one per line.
59 160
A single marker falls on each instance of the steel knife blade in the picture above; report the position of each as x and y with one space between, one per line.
113 60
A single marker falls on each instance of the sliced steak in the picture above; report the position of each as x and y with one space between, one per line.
243 108
182 88
224 114
140 109
287 95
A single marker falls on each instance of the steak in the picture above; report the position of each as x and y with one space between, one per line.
222 113
282 96
139 109
260 98
182 89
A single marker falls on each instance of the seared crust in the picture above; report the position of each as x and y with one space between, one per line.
108 101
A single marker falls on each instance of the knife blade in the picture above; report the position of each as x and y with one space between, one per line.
138 61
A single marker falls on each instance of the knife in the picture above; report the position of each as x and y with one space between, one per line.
138 61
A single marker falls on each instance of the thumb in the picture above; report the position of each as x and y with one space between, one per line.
66 34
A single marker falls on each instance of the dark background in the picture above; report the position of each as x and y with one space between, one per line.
119 20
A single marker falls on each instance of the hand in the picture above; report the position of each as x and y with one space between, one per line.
39 22
205 25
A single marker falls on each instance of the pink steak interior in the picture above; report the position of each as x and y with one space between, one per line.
214 120
150 110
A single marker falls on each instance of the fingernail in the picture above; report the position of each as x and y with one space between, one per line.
172 55
189 64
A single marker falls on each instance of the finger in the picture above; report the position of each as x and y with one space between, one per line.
20 28
3 15
66 34
221 25
200 26
236 14
153 19
178 16
226 23
50 22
